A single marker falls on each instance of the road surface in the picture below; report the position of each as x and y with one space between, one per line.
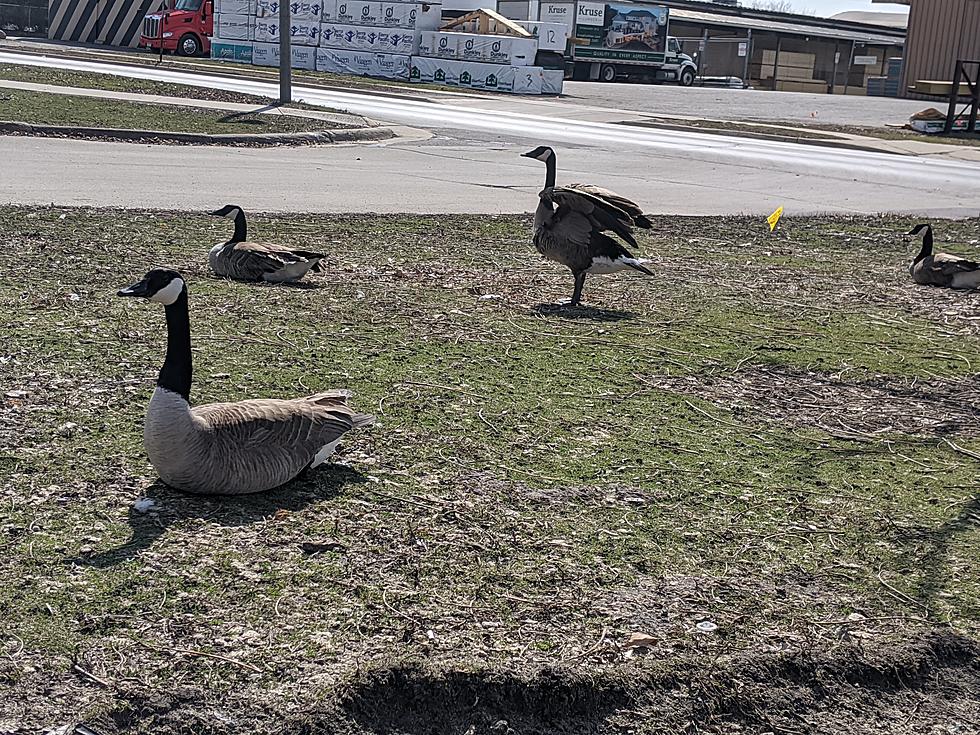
472 163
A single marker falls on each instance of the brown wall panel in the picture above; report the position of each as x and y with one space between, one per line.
939 33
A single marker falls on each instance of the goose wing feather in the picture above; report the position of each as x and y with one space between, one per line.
253 260
604 215
266 442
620 202
950 265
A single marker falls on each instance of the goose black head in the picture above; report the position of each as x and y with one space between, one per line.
926 230
160 285
542 153
229 210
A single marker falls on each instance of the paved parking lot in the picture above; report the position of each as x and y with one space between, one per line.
747 104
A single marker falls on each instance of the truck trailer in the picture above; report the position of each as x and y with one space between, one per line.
613 41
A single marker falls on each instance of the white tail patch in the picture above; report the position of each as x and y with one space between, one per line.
602 264
325 452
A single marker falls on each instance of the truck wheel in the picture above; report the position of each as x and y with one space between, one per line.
189 45
687 77
607 73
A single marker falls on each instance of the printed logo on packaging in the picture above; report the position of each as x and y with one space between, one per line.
415 74
491 80
465 78
439 76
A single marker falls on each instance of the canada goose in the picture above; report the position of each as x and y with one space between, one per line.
573 235
258 261
941 269
229 448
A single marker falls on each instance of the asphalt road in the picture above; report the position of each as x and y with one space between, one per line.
746 104
472 164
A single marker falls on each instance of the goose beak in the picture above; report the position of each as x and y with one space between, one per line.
527 155
216 213
137 289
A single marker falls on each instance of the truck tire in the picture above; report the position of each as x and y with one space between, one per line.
189 45
687 77
607 73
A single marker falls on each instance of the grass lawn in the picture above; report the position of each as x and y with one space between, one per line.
58 109
738 496
93 80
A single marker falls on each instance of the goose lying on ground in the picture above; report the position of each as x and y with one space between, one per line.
229 448
941 269
258 261
570 222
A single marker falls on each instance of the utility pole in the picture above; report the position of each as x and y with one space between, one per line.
285 55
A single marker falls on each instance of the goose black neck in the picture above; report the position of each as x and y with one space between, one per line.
926 245
175 375
241 229
551 176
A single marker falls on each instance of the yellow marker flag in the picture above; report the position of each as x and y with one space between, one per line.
773 218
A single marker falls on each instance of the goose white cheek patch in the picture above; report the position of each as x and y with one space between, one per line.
233 213
169 293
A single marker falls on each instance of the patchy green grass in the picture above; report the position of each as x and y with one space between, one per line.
41 108
777 435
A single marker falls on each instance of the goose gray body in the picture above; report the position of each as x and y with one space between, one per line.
571 222
258 261
942 269
243 447
229 448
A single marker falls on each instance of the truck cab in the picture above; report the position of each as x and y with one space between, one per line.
185 27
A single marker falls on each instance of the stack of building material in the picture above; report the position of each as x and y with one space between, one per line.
371 38
492 53
234 30
304 33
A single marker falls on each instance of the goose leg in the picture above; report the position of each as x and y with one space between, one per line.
577 293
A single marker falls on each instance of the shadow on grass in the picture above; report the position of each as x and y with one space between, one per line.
248 116
410 700
593 313
928 557
174 506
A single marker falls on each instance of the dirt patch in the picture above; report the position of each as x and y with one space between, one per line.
882 405
926 685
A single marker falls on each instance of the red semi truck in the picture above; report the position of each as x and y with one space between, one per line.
183 26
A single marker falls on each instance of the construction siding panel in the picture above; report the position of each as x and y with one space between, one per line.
112 22
939 33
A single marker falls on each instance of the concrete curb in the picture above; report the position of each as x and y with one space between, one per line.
353 135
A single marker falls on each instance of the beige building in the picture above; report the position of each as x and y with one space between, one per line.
939 33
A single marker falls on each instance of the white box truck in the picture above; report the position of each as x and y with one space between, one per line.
612 41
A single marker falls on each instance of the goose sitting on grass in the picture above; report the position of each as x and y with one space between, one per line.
258 261
941 269
570 222
229 448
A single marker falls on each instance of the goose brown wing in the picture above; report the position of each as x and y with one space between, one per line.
604 215
950 265
263 443
253 260
620 202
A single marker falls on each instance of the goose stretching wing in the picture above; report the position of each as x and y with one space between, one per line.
571 222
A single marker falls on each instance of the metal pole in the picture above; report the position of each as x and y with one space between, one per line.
775 63
285 55
833 79
954 95
748 55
